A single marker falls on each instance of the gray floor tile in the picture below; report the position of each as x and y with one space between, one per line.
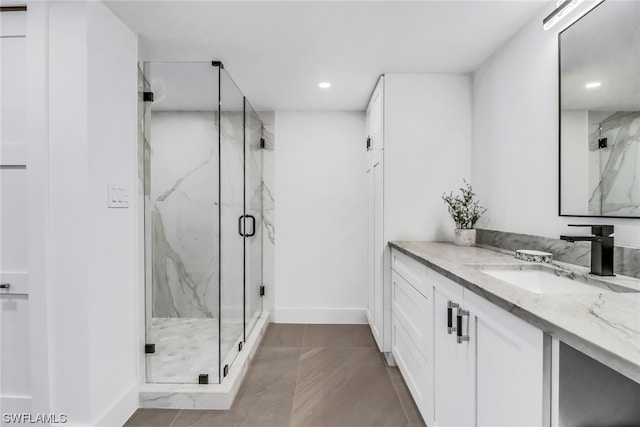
265 398
345 387
283 335
200 418
152 417
338 379
404 395
338 336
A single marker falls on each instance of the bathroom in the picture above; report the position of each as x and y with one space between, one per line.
470 92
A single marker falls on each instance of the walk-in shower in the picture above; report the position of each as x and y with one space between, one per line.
202 155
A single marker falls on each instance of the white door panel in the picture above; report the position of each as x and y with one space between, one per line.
13 24
12 96
13 220
509 360
15 372
14 327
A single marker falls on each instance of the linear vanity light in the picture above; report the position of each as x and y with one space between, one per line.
563 8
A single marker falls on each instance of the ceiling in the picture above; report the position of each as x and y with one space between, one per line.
603 46
278 51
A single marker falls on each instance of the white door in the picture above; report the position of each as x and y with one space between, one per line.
14 292
371 188
509 359
375 309
454 397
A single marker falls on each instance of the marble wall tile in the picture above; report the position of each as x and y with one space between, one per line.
183 172
184 215
269 205
613 170
626 260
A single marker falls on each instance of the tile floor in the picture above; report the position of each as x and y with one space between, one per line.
308 375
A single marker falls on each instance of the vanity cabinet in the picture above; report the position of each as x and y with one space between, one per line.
417 147
482 367
412 341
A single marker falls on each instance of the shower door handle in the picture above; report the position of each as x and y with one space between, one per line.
253 226
240 225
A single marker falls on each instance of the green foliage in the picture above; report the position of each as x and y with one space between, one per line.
464 210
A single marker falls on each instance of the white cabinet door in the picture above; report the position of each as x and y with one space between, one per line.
454 392
411 341
15 376
375 309
375 120
371 229
509 366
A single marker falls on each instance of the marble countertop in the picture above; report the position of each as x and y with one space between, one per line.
605 326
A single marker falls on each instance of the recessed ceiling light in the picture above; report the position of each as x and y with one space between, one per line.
324 85
593 85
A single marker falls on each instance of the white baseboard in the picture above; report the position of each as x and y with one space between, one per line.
320 315
121 411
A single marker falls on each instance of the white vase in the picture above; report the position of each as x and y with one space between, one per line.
465 237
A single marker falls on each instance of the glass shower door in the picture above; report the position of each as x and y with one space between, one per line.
253 203
182 223
233 223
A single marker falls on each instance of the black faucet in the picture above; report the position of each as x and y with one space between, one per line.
601 247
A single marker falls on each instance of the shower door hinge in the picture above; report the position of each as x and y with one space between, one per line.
147 96
261 291
225 371
240 346
203 379
149 348
262 143
217 64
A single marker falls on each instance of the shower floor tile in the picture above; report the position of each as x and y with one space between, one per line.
309 375
186 348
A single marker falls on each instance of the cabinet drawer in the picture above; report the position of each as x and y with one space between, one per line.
411 270
413 310
415 370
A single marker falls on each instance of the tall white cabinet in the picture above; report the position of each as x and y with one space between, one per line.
418 147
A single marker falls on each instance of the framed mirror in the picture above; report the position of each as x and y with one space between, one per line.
599 66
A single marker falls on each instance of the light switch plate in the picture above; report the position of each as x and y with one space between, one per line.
118 196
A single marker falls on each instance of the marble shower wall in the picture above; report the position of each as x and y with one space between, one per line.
184 208
269 204
268 193
626 260
254 191
614 174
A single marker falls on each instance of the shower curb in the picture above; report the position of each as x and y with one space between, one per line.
210 396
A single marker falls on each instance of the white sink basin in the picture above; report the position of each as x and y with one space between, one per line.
543 281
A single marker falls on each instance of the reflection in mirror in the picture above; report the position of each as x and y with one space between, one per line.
600 112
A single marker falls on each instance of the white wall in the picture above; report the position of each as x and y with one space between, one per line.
320 251
427 152
89 264
113 304
515 139
575 162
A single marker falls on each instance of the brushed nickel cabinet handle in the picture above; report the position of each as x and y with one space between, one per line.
462 338
450 306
